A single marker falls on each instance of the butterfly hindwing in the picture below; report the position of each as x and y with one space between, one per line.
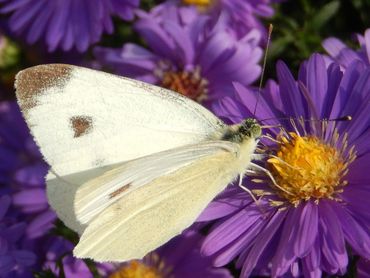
95 195
148 216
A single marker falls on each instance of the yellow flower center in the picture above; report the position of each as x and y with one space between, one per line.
199 3
306 167
136 269
189 84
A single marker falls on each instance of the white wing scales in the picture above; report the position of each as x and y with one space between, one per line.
61 192
98 193
149 216
82 118
90 125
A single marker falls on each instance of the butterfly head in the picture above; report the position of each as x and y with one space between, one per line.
246 130
250 128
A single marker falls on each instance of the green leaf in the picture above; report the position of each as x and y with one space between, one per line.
324 15
278 46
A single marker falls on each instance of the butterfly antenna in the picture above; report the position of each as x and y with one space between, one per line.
263 67
340 119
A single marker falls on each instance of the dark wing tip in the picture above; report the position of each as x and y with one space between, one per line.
31 82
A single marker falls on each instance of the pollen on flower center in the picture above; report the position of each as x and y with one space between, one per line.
187 83
200 3
136 269
306 167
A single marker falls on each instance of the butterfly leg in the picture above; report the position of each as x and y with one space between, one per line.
246 189
268 173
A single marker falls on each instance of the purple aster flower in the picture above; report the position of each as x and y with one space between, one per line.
23 170
59 258
317 202
187 54
65 24
344 55
241 16
14 259
179 258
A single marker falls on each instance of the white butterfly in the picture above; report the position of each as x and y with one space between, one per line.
132 164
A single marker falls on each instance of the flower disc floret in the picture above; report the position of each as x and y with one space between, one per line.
307 167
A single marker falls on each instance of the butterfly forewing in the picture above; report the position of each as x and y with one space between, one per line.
83 119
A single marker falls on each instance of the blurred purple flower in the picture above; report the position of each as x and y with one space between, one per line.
179 258
186 54
22 170
344 55
321 168
14 260
241 16
65 23
59 255
363 268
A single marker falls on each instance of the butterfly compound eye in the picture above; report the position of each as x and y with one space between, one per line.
251 128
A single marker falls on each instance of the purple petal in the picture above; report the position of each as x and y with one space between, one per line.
7 263
361 144
348 81
33 175
262 241
155 37
196 29
332 239
238 245
367 44
290 95
57 26
359 107
316 273
285 251
217 48
272 95
224 206
41 224
81 22
230 109
20 18
357 197
30 197
68 37
15 232
317 80
249 99
307 229
8 159
12 6
4 205
131 61
39 24
339 51
24 258
356 235
241 65
363 268
334 76
229 230
183 42
313 260
333 46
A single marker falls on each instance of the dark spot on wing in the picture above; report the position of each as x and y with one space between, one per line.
98 162
81 125
119 191
32 82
